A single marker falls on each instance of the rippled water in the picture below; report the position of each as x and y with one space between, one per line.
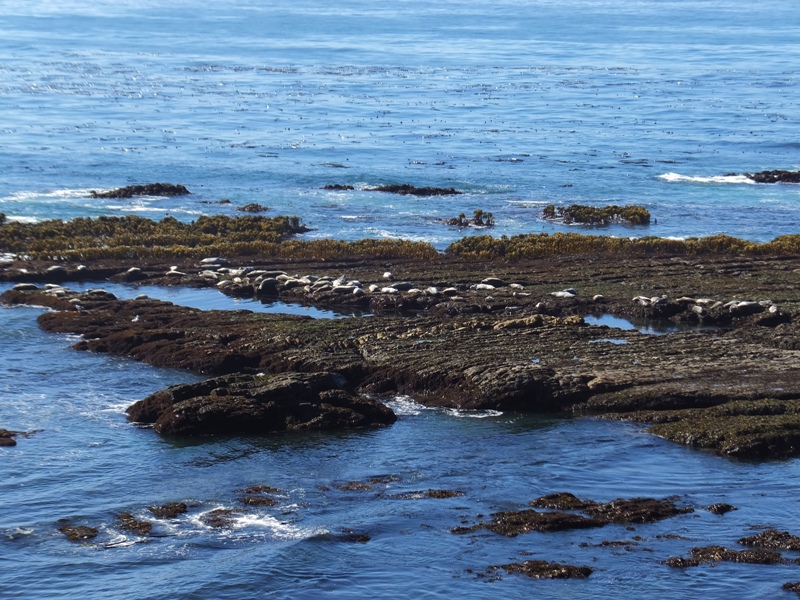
516 105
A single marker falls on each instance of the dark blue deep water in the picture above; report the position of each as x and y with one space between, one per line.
516 104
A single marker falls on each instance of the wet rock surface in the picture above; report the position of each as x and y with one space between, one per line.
561 501
76 533
134 525
779 540
540 569
171 510
406 189
443 342
151 189
776 176
514 523
717 554
258 404
635 510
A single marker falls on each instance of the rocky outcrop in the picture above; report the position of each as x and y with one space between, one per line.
775 176
406 189
151 189
494 337
259 404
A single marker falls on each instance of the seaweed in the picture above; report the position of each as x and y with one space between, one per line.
590 215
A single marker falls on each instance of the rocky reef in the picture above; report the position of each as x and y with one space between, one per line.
150 189
592 215
450 331
405 189
775 176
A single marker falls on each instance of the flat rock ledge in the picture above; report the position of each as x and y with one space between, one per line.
259 404
732 391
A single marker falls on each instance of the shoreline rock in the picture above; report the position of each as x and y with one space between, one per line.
259 404
486 335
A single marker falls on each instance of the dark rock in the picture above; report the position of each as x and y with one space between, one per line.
7 441
635 510
219 518
352 537
151 189
259 404
253 207
257 501
170 510
561 501
792 587
353 486
260 489
777 176
779 540
513 523
131 523
338 187
721 508
268 287
540 569
407 189
716 554
76 533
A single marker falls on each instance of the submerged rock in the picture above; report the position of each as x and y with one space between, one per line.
131 523
514 523
721 508
635 510
171 510
259 404
76 533
717 554
776 176
540 569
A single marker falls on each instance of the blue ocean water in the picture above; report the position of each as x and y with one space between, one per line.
517 105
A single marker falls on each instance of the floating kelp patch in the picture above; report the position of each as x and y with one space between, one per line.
150 189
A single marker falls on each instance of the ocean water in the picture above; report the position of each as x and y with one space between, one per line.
518 105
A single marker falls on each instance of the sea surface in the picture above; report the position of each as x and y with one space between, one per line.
517 105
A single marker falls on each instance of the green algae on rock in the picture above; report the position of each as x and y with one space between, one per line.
592 215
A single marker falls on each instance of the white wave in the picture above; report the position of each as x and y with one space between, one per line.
278 529
53 195
22 219
405 406
677 177
472 414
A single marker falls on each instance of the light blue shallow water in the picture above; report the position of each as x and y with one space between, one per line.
638 102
